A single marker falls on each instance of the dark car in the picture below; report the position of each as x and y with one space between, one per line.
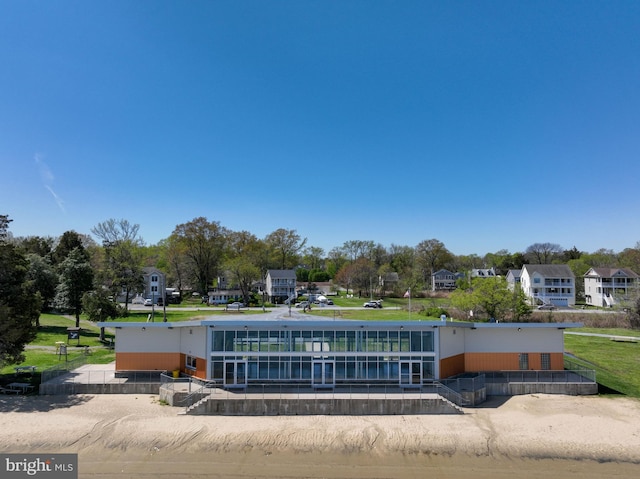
546 307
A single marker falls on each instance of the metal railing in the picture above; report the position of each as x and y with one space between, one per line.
63 368
465 382
575 367
564 377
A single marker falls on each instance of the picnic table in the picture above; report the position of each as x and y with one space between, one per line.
23 369
24 387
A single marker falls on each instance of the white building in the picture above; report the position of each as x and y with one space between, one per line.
552 284
608 286
280 285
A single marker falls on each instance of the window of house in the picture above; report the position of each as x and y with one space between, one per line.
154 289
523 360
536 280
190 362
154 278
545 361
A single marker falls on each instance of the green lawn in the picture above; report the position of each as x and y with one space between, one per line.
617 364
42 351
370 314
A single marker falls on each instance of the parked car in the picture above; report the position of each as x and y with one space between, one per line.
235 305
148 302
303 304
373 304
546 307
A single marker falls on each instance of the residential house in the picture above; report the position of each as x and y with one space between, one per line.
223 296
482 273
443 280
608 286
280 285
154 284
513 278
388 281
552 284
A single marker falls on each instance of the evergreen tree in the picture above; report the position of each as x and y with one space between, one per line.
19 308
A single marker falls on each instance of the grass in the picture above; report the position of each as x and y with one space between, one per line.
53 328
617 364
370 314
41 352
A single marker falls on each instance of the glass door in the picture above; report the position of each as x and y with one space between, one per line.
323 374
410 373
235 374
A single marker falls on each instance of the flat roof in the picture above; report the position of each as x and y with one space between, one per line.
267 323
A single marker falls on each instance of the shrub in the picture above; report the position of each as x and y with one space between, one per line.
434 312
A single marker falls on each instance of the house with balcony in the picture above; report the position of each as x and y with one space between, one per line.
548 284
443 280
606 287
280 285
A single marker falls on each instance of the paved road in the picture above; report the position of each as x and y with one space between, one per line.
610 336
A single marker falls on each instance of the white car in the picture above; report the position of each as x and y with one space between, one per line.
148 302
373 304
235 305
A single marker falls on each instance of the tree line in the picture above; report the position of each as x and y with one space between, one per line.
200 251
77 273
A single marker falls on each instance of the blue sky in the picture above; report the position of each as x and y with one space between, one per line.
487 125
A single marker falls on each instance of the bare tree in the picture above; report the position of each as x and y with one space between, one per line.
431 255
203 243
123 256
285 244
543 253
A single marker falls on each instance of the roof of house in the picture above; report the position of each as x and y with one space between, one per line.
611 272
482 272
443 271
151 270
549 270
281 273
514 273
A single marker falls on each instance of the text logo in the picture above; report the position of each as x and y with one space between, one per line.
50 466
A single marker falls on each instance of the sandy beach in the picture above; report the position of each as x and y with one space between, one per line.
523 436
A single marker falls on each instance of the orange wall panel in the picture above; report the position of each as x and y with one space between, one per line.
201 367
452 365
148 361
477 362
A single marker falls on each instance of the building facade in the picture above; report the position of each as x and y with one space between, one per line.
443 280
236 353
605 287
548 284
280 285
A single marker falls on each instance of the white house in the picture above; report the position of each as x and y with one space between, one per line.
607 286
482 273
280 285
154 284
513 278
552 284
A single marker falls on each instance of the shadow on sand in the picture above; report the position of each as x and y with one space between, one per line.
35 403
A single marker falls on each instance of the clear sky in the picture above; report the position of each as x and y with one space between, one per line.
487 125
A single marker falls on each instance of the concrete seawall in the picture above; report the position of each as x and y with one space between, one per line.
320 406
